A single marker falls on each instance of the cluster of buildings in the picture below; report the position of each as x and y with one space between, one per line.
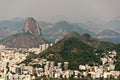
12 68
41 48
105 70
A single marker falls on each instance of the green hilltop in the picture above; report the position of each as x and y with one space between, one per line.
73 50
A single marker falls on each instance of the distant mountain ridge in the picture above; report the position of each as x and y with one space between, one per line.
13 26
61 28
113 25
108 34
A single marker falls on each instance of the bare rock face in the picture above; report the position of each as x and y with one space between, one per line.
32 26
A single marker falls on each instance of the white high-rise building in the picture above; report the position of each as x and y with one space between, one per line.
66 65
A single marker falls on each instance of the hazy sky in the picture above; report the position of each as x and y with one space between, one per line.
75 10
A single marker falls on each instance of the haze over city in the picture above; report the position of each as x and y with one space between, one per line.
75 10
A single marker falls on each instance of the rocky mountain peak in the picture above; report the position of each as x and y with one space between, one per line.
32 26
31 38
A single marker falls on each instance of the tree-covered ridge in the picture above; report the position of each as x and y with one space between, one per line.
72 50
93 42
